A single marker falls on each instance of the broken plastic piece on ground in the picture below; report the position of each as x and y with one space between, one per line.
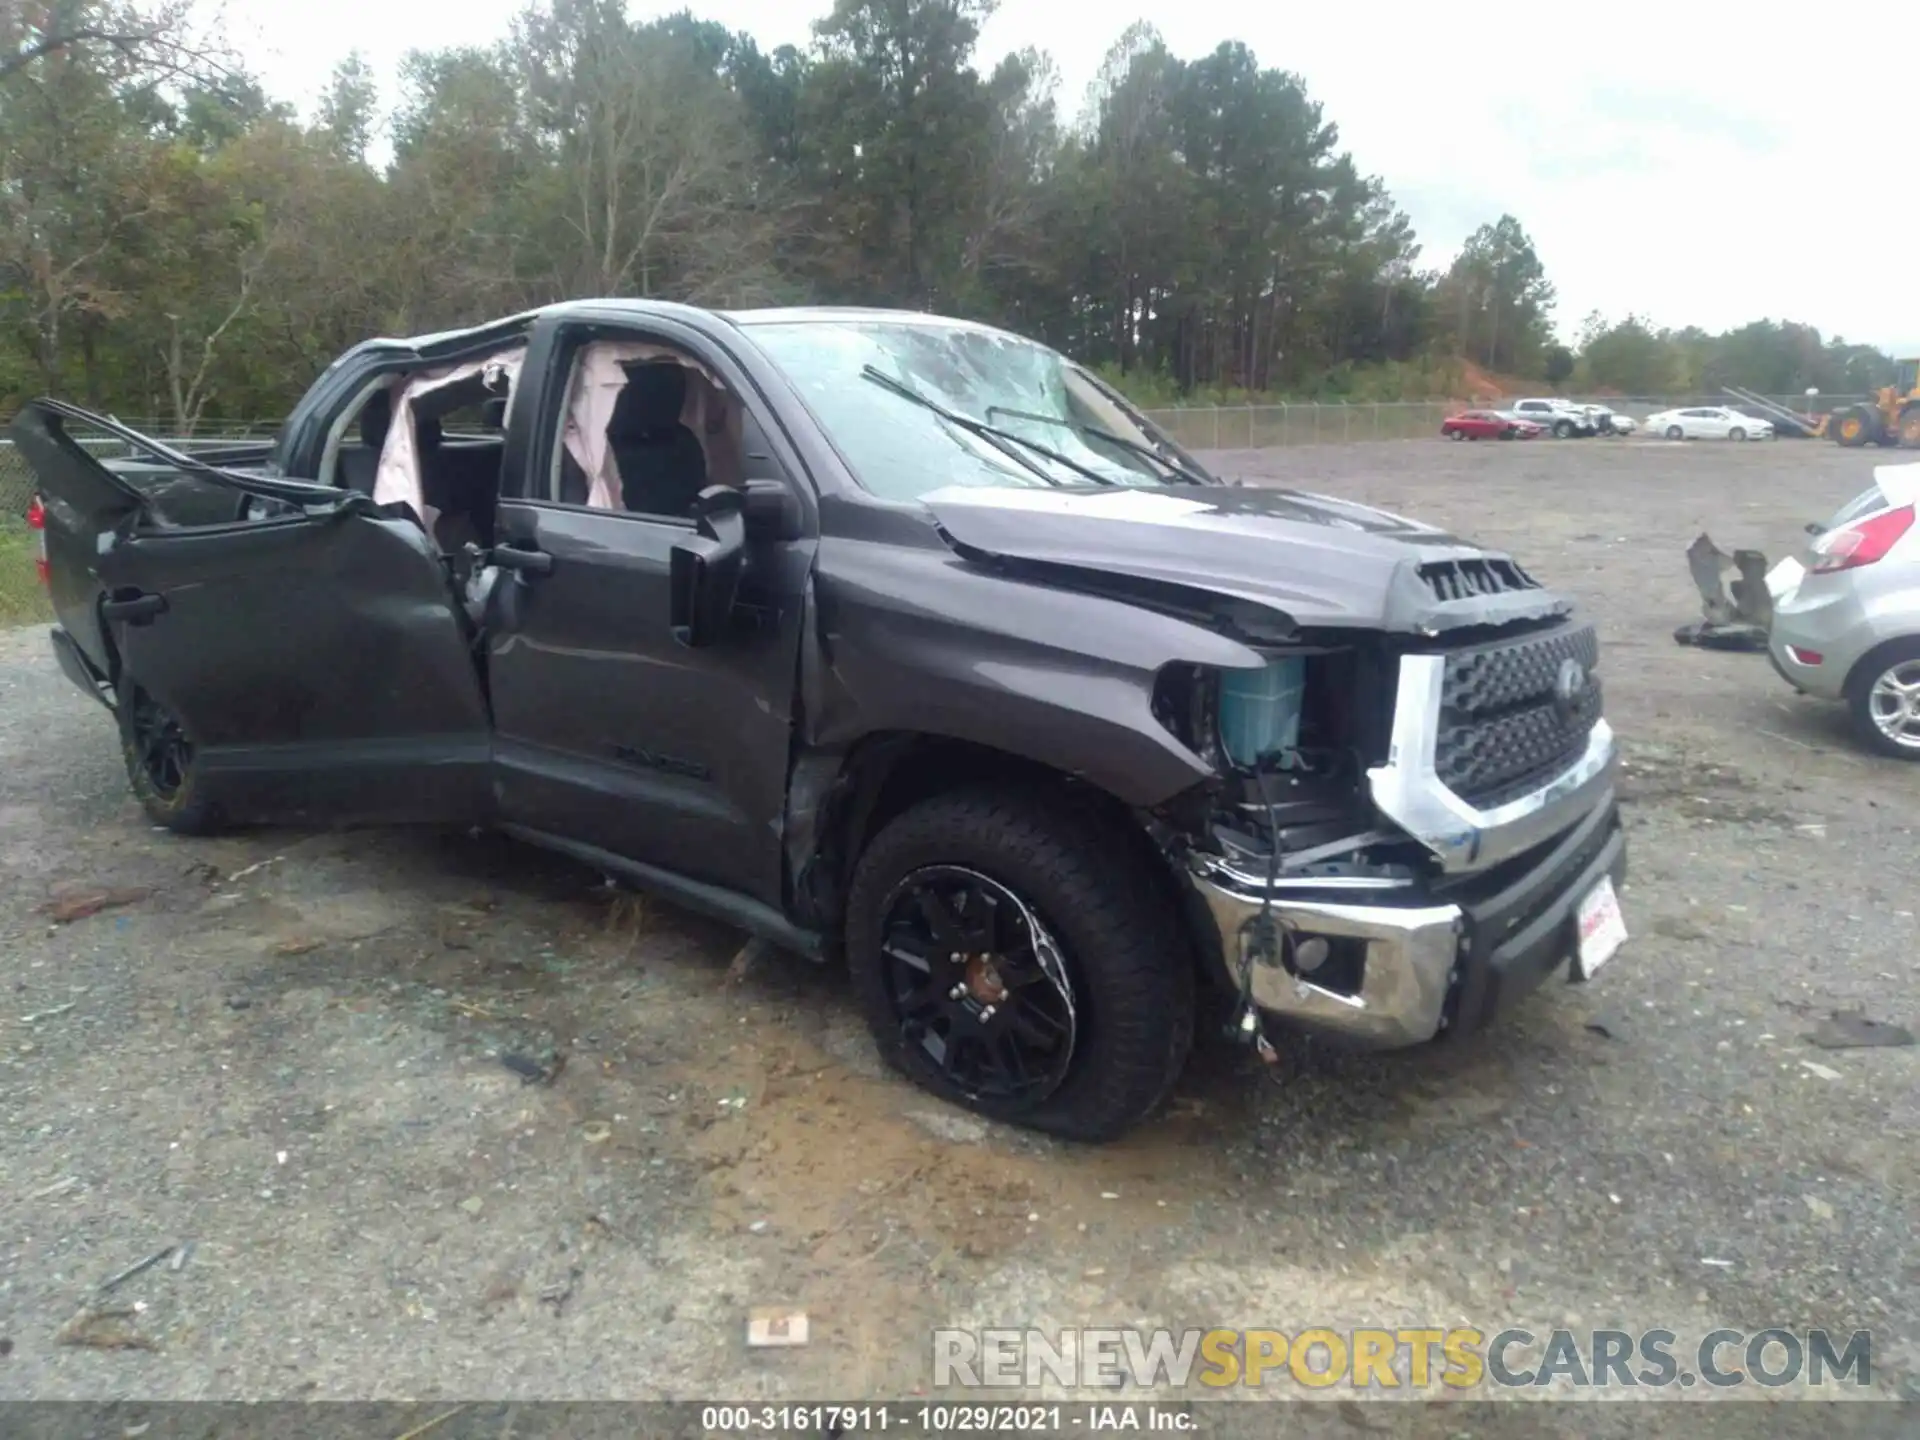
1852 1030
1709 636
1734 598
774 1328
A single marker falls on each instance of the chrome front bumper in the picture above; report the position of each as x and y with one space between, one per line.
1413 967
1409 792
1407 963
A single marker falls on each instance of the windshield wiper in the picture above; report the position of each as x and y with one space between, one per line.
1145 452
985 431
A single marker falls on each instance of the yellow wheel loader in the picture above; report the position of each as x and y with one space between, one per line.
1891 417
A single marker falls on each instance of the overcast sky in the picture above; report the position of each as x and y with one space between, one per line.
1693 162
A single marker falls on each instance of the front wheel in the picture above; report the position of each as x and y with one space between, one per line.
1736 433
1563 430
1674 432
1455 434
1019 959
1884 702
163 765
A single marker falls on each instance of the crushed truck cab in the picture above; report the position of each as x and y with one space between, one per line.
901 642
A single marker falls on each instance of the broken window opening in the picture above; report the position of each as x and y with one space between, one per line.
439 439
646 429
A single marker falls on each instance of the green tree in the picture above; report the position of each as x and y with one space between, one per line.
1499 299
349 111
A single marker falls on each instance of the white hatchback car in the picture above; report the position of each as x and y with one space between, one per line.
1708 422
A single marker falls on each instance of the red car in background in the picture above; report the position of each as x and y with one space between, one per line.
1487 425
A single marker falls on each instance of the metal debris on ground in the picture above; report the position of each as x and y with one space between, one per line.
1825 1072
114 1281
58 1187
180 1254
39 1015
1852 1030
774 1328
65 909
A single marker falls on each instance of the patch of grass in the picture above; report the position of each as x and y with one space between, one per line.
23 600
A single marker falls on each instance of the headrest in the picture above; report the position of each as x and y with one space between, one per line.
651 400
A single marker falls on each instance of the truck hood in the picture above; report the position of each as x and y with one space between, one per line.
1312 559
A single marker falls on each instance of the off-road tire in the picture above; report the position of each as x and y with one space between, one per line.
1127 960
1909 428
1862 433
1859 697
185 809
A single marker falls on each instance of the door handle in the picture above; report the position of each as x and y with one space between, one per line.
523 562
135 609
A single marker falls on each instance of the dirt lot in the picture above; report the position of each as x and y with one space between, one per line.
287 1050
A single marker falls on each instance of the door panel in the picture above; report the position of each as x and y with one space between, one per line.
610 733
316 662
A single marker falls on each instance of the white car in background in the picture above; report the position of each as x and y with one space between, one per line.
1708 422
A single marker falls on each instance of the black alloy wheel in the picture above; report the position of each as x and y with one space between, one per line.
1016 951
164 753
978 984
162 763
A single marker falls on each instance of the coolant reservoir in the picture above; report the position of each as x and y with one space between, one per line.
1260 709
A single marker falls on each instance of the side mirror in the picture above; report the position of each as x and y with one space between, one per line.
770 511
704 570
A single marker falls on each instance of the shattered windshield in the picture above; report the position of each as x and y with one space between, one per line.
1016 412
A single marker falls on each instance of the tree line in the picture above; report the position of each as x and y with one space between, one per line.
176 242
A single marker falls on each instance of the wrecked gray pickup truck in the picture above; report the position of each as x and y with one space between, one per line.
894 640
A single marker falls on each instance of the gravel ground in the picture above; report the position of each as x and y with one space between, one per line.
285 1050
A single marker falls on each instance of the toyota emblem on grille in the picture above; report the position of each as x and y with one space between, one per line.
1569 684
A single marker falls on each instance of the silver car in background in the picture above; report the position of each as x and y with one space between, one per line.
1846 614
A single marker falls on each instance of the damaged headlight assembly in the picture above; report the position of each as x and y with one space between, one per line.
1308 893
